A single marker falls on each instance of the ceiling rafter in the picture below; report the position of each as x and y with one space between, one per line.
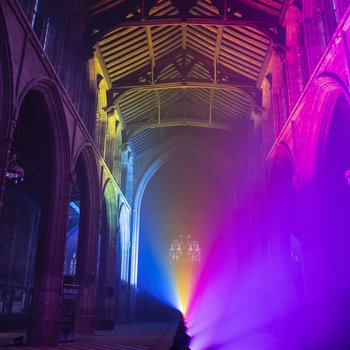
191 63
135 128
211 103
261 25
162 63
150 51
166 60
118 93
189 67
159 116
183 37
177 66
217 51
226 71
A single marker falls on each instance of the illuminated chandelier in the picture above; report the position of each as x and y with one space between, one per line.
14 171
184 250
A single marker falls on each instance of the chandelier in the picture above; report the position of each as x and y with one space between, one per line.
14 171
184 250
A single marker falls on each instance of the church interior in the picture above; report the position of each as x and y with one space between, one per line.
182 160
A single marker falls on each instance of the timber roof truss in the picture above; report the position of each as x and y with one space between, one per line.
183 62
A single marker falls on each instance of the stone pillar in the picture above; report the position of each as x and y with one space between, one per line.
256 154
281 224
133 265
311 226
293 54
268 133
106 293
44 322
279 112
87 253
111 138
6 139
314 38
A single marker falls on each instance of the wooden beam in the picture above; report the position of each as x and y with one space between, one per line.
217 51
135 128
211 102
158 106
262 25
124 90
103 66
150 51
184 37
120 115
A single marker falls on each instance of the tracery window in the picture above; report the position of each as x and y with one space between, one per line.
176 251
73 264
194 253
125 242
35 12
184 250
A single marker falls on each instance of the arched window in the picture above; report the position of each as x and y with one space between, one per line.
184 250
127 173
329 14
125 242
176 251
194 253
73 265
41 21
35 12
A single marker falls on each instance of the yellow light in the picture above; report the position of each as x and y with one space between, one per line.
184 283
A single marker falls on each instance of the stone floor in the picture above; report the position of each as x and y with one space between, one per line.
135 336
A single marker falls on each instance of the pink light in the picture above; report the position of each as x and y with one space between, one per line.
222 313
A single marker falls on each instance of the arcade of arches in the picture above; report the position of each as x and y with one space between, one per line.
160 157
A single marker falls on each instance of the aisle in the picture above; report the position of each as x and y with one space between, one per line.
135 336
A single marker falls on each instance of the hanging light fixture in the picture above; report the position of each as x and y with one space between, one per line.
14 171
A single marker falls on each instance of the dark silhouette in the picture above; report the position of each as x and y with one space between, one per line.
181 338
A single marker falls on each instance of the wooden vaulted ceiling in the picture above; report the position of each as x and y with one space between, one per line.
183 62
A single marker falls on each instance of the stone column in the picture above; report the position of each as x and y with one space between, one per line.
6 140
106 293
314 38
44 322
87 253
311 226
281 224
111 138
293 54
279 112
268 133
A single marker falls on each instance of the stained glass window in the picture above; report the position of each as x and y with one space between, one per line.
176 251
193 251
184 250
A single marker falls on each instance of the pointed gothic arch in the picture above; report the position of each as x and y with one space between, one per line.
86 167
45 151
